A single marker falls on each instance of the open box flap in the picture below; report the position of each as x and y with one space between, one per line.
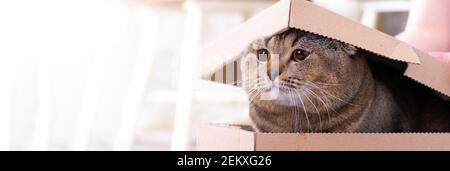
310 17
225 50
431 72
421 67
307 16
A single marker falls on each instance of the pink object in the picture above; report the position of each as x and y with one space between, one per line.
428 26
445 57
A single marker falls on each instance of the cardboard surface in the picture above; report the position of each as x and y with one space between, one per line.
222 56
233 138
225 138
304 15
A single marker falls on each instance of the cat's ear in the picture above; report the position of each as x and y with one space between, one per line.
349 49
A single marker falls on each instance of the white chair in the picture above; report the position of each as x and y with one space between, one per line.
372 9
195 11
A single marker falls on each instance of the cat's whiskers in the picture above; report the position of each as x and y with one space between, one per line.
325 98
329 94
304 109
317 110
253 94
255 86
293 91
297 108
321 100
327 84
297 126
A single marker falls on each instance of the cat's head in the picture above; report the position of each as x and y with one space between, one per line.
302 70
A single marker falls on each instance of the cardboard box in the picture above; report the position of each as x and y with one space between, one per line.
220 63
217 137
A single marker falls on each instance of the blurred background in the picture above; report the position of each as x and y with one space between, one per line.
120 74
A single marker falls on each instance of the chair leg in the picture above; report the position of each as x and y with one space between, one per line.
137 89
6 86
188 67
91 97
44 110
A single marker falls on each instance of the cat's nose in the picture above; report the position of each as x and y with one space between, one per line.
272 74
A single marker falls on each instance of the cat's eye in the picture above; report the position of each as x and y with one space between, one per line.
263 55
299 55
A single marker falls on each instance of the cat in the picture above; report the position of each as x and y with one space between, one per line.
302 82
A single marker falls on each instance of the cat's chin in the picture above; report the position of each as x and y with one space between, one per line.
279 97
